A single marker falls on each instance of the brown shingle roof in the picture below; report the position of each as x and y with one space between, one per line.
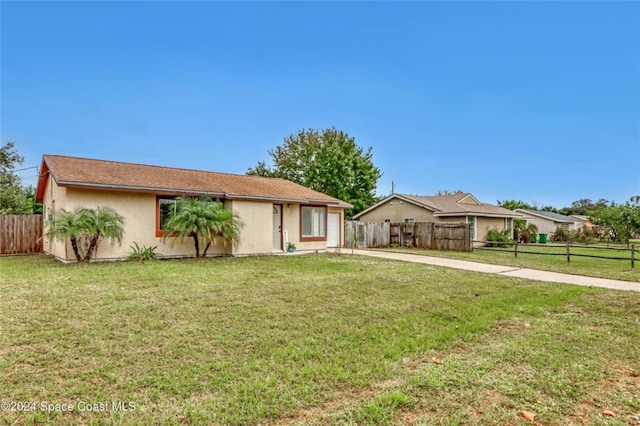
113 175
449 205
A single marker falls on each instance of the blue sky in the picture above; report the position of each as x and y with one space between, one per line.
537 101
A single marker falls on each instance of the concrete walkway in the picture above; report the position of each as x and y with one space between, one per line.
508 271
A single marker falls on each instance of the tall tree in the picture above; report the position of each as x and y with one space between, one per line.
584 206
13 197
205 221
328 161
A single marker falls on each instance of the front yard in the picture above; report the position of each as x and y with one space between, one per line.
310 340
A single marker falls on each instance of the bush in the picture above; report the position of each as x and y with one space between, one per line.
498 238
142 254
564 235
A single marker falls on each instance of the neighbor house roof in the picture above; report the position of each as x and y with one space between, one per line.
458 204
556 217
87 173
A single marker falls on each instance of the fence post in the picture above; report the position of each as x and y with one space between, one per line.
432 243
568 253
516 249
633 256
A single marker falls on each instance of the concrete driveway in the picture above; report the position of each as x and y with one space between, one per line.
507 271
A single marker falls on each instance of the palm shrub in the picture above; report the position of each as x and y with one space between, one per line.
86 228
523 230
519 225
531 229
65 225
204 220
103 222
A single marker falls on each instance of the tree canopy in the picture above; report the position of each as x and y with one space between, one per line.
583 206
619 222
519 204
14 198
447 192
328 161
622 221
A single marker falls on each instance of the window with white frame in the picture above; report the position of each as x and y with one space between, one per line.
313 222
471 220
409 220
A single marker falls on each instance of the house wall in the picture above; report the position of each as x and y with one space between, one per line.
485 224
482 225
139 212
54 200
545 226
291 217
291 224
398 212
257 231
257 218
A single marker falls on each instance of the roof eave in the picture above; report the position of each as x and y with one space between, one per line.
483 214
42 180
541 216
189 192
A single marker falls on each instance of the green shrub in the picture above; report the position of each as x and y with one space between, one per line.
498 238
561 234
142 254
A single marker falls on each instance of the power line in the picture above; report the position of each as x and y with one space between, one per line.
26 168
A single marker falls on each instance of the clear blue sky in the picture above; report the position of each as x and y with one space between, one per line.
538 101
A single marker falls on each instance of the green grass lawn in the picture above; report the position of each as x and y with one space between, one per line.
317 339
593 267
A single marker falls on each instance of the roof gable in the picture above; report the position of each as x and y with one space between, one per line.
448 205
469 199
118 176
391 198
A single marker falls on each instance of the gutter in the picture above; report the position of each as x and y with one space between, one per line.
176 191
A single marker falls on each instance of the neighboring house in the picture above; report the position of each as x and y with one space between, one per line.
582 221
548 222
460 207
273 211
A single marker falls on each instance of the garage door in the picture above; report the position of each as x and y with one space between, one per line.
333 230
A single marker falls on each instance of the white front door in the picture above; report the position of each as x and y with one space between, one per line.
333 230
277 227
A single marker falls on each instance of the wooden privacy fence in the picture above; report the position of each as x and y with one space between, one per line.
20 234
453 236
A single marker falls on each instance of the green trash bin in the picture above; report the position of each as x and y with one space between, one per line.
533 238
543 238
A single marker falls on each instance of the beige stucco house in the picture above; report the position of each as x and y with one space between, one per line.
548 222
273 211
459 207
